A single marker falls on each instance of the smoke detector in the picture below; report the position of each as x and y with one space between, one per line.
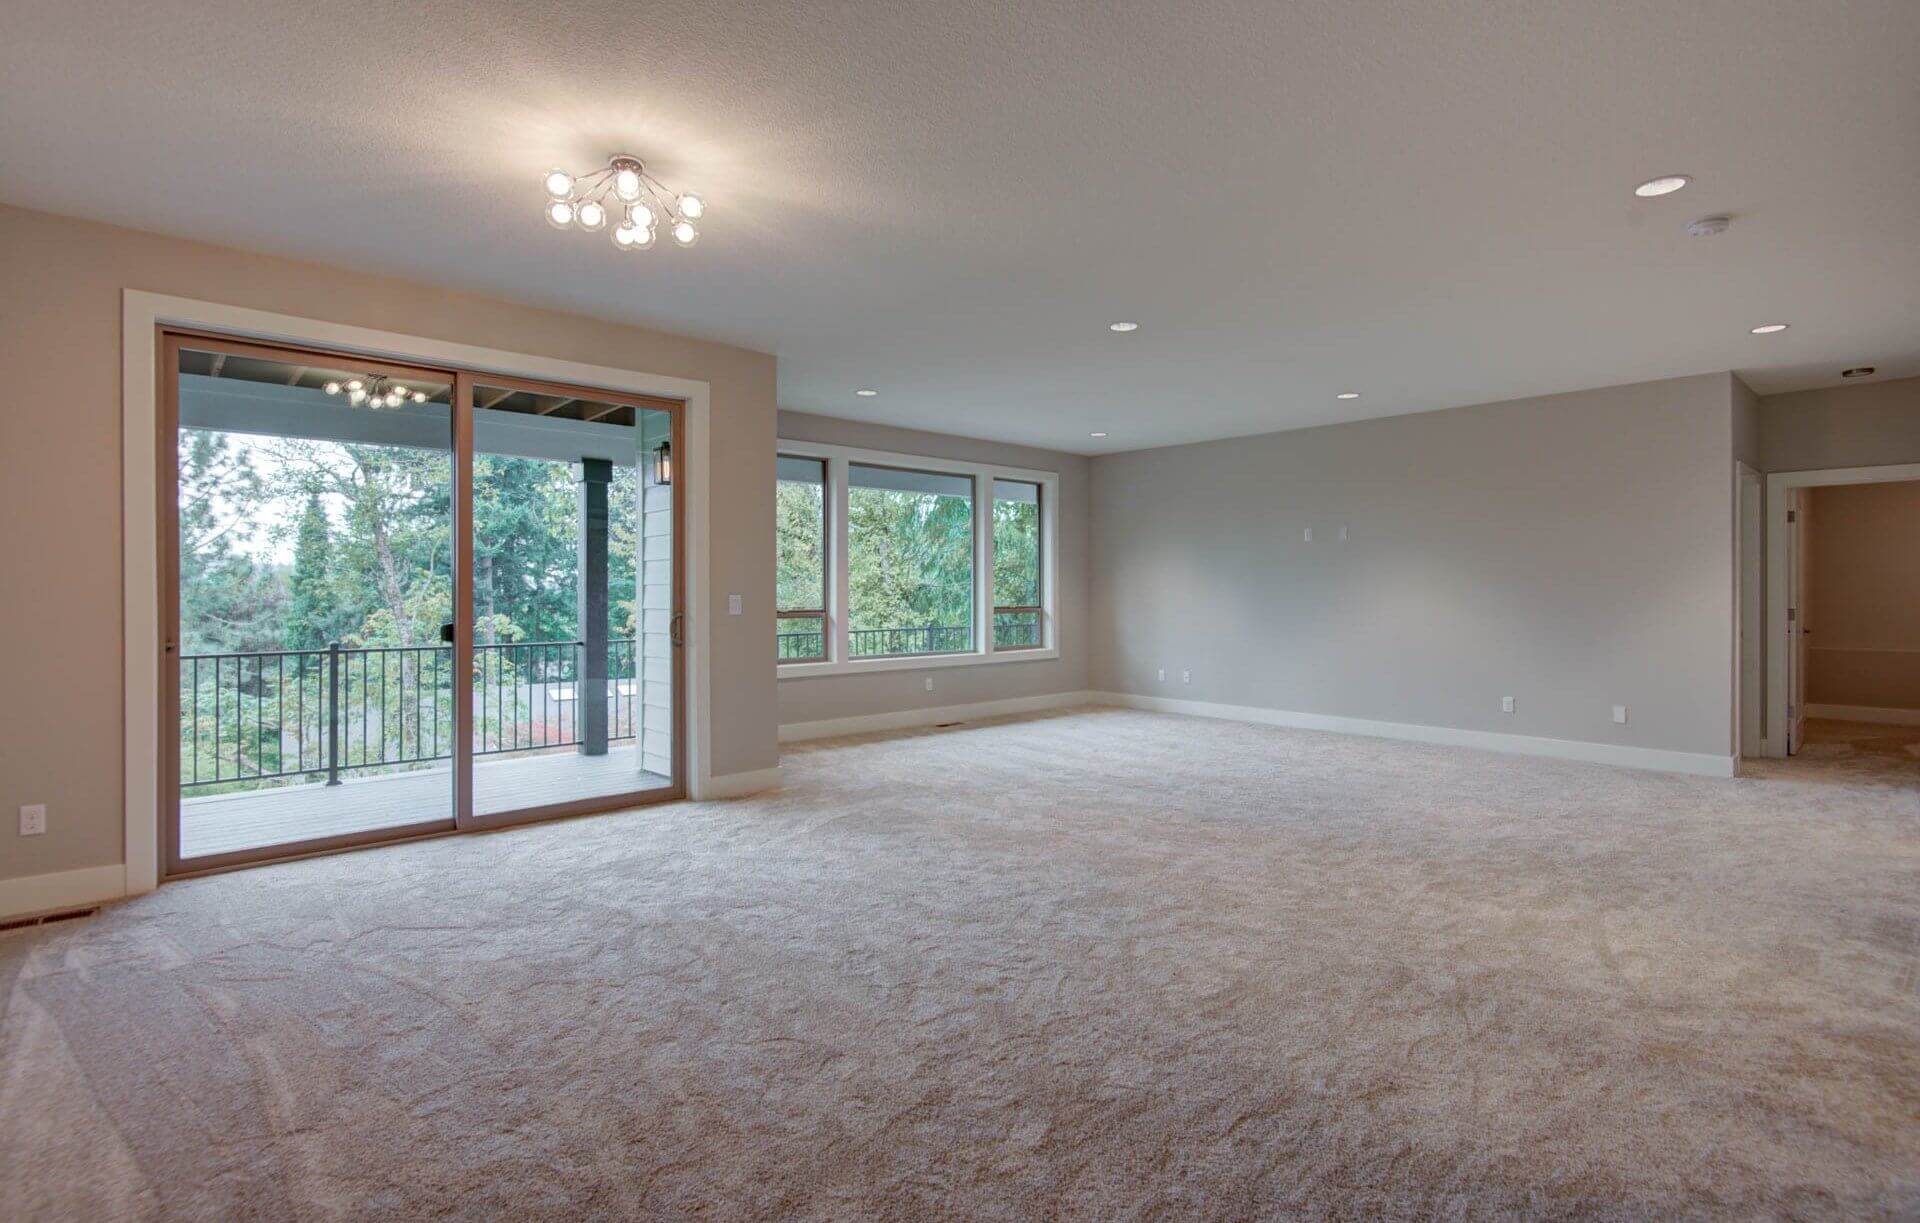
1706 227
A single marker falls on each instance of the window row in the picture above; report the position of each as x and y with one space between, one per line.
912 546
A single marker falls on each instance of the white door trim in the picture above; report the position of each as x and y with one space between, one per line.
1749 601
142 312
1779 484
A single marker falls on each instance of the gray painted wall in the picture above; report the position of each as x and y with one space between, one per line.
1572 551
60 579
1748 441
1867 425
846 696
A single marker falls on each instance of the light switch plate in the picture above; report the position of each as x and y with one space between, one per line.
1620 714
1506 704
733 605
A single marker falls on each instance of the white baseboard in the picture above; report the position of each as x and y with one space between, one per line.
902 719
50 893
1703 764
1866 713
739 785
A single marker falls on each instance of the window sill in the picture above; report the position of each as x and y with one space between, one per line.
910 662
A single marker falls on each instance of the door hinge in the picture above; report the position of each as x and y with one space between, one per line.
1793 516
1793 613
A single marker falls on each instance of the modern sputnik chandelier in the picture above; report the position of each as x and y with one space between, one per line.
626 195
376 391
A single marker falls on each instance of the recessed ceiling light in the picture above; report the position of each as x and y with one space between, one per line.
1348 395
1123 326
865 392
1858 371
1666 184
1096 435
1769 328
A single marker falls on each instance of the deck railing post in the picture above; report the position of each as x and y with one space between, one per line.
333 713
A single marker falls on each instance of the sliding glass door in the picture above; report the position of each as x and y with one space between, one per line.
575 598
399 600
311 528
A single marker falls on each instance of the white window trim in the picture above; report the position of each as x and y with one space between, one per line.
838 459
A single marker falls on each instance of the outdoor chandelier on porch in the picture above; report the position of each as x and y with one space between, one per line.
376 392
589 201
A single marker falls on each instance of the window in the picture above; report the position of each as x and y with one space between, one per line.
800 598
909 562
893 561
1016 566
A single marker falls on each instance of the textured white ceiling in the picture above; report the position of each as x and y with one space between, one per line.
1428 202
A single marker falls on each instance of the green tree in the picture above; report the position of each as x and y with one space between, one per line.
227 601
311 622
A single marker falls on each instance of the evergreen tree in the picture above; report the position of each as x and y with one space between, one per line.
311 623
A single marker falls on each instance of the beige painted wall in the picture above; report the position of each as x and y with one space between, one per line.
60 583
1863 595
847 696
1868 425
1572 551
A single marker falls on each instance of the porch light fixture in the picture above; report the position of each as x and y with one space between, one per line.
376 391
663 464
623 189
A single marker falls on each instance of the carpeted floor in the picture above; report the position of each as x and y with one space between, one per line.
1100 964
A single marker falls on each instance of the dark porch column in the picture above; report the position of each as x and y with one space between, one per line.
591 691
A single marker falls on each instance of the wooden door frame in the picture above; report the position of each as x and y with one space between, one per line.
142 312
1779 483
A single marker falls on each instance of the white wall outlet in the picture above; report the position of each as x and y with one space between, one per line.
1186 677
1163 675
33 819
929 683
733 605
1506 704
1620 714
1306 533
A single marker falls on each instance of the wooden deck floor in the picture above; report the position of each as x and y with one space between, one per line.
259 818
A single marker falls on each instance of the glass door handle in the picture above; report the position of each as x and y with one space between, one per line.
446 633
674 630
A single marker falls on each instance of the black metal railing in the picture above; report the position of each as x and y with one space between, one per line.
930 639
1016 630
258 716
801 636
1012 630
798 647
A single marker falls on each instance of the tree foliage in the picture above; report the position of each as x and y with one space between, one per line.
371 535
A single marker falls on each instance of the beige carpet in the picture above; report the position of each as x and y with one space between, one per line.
1097 965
